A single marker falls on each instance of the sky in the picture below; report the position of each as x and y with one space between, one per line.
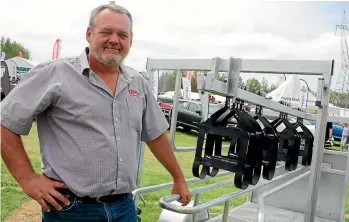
188 29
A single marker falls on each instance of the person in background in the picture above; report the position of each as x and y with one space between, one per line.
328 135
345 134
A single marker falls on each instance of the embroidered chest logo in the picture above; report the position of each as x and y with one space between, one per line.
133 92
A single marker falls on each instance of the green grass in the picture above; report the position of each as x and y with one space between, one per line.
12 195
153 173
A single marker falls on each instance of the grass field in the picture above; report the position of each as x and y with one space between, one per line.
153 173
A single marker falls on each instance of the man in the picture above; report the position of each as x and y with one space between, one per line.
91 112
345 134
328 135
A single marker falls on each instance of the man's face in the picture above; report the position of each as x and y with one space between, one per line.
111 38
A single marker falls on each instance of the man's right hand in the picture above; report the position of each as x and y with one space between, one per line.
43 190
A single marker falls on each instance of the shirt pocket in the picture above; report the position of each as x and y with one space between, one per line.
135 111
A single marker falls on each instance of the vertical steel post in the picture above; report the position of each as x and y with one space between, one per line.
323 93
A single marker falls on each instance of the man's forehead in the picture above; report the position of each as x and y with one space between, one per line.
108 16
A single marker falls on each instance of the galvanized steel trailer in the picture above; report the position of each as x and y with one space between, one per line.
309 193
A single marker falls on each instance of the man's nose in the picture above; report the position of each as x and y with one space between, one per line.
114 38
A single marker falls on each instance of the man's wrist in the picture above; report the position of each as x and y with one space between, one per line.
179 179
26 177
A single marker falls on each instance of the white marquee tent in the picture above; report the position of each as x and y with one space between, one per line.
19 66
292 91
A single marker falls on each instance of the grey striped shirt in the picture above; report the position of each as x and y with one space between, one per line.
89 139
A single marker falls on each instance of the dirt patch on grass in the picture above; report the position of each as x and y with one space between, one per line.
30 211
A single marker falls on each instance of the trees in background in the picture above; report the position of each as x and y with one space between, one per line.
13 48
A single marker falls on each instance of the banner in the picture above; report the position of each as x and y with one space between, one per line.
5 78
56 49
188 75
186 88
303 95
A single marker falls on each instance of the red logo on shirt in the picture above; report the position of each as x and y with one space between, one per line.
133 92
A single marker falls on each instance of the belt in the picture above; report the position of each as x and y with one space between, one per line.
107 198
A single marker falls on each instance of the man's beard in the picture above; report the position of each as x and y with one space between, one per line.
114 61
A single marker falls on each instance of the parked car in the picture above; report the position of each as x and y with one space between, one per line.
189 113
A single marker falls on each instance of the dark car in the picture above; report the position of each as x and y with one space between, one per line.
190 113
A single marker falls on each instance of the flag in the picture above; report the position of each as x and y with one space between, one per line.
188 75
56 49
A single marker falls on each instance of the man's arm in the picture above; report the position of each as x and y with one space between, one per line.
14 155
34 185
34 93
153 133
162 150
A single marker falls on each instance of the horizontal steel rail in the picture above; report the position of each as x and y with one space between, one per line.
165 201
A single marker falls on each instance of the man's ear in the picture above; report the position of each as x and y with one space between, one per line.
88 34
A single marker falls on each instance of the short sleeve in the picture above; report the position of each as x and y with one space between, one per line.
32 95
154 121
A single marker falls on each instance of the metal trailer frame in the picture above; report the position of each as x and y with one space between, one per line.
332 163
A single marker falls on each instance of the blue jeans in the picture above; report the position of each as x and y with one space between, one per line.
114 211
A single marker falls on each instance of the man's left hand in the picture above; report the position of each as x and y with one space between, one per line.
181 188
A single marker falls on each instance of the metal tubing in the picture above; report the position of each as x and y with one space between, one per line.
296 67
212 85
314 179
196 202
261 210
174 114
233 77
345 189
165 201
226 211
158 187
139 168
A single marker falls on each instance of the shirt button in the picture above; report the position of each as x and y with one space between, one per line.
116 120
121 159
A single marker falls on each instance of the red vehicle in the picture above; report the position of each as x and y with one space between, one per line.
166 109
164 105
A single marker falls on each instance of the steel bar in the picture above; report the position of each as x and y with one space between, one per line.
196 202
164 201
301 67
314 179
158 187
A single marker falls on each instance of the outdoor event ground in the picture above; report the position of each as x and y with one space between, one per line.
16 206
